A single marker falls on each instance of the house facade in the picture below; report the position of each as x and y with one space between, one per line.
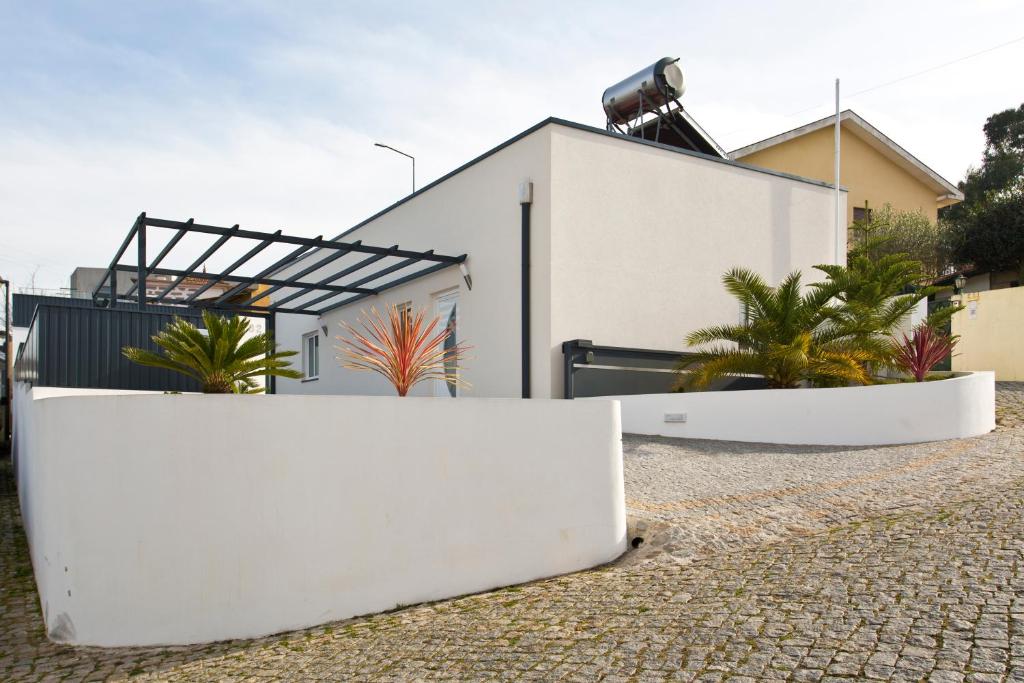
627 243
874 169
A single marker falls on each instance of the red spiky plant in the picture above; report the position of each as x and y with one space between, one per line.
403 347
918 354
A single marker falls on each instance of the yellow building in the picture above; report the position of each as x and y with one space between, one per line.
874 169
989 328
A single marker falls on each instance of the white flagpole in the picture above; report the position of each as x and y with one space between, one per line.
840 242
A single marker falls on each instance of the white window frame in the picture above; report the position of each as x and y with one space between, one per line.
307 357
405 310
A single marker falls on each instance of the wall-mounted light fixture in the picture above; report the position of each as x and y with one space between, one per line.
959 283
465 275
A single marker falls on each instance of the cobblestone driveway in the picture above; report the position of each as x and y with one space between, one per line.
763 563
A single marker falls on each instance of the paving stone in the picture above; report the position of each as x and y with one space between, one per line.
761 563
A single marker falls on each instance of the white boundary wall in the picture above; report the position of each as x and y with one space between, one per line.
169 519
854 416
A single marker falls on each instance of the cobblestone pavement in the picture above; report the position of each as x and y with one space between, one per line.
691 497
902 563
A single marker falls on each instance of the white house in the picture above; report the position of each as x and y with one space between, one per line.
628 240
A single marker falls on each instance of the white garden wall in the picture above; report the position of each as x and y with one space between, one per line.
166 519
854 416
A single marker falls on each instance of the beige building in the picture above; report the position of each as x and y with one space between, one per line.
873 168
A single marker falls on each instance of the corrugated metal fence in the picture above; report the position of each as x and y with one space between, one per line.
24 306
74 346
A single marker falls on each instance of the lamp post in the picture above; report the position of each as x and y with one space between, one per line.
409 156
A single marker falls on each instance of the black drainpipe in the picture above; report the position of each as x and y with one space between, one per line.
525 201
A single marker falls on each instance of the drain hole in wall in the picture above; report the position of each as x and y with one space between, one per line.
637 542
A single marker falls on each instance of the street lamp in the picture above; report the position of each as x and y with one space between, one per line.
377 144
959 283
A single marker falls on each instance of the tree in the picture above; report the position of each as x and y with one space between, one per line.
991 234
219 360
986 226
788 339
903 232
1002 163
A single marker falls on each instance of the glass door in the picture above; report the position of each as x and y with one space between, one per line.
446 306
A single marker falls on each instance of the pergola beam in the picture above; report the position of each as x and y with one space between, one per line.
326 289
233 267
163 252
195 264
330 258
338 289
277 265
111 271
383 288
305 241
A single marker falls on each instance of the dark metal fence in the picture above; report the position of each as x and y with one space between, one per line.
24 306
592 370
75 346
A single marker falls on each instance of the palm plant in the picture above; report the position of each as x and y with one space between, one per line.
788 339
918 354
404 348
220 360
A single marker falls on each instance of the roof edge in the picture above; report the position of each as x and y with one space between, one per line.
552 120
852 116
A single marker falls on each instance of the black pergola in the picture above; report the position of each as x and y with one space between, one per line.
333 273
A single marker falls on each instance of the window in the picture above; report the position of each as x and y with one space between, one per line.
861 214
311 355
404 312
447 307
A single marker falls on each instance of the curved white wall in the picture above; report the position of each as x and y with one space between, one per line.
167 519
855 416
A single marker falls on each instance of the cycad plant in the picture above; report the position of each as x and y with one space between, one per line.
788 339
404 348
220 360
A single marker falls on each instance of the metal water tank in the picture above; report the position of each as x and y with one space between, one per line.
660 83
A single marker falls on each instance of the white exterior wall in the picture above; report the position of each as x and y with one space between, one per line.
475 212
629 243
199 518
642 236
18 337
884 414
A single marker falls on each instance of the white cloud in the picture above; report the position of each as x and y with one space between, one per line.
275 130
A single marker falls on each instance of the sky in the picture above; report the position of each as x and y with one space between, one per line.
265 113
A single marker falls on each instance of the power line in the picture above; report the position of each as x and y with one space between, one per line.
937 67
894 81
